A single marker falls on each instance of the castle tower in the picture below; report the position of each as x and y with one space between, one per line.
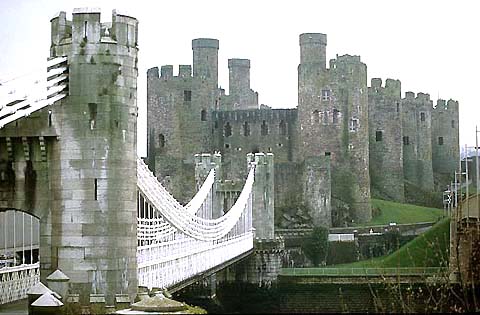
94 178
333 117
205 59
241 95
417 142
313 47
385 138
445 142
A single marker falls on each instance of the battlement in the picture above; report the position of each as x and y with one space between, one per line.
205 43
392 86
420 96
86 27
208 159
166 71
152 72
256 115
348 59
184 71
241 63
423 96
442 105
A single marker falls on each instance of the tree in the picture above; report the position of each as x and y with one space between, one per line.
315 246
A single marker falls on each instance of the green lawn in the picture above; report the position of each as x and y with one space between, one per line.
402 213
430 249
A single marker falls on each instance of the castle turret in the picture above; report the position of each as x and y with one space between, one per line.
445 142
93 213
242 97
385 139
417 143
333 117
205 59
313 48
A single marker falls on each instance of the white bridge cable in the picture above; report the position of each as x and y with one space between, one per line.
21 97
212 225
186 222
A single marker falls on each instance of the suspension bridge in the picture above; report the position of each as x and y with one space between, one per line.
176 244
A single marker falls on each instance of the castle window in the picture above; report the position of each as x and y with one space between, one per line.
354 124
264 128
422 116
379 135
398 107
282 128
335 116
216 124
85 30
161 140
50 118
203 115
328 153
227 145
92 108
228 130
280 145
325 95
246 129
95 184
453 123
187 96
406 140
315 116
324 117
440 140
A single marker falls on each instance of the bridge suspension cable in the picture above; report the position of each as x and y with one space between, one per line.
184 218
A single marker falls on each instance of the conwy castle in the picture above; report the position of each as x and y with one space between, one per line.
344 143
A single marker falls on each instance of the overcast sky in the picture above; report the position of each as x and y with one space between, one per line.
431 46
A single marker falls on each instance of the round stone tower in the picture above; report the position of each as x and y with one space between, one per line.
205 59
94 164
239 80
333 117
313 47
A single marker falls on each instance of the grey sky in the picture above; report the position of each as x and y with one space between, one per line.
431 46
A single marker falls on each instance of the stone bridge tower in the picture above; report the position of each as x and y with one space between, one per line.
93 212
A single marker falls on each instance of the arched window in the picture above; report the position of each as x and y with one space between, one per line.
161 140
264 128
246 129
282 128
203 115
228 130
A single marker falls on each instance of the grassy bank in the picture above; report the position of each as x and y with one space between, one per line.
388 211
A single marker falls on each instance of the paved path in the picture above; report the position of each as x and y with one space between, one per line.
15 308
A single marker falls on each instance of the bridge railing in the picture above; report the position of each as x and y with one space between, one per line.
405 271
16 281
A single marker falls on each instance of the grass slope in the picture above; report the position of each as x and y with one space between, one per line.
402 213
430 249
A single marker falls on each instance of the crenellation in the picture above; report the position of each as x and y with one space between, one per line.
166 72
184 71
